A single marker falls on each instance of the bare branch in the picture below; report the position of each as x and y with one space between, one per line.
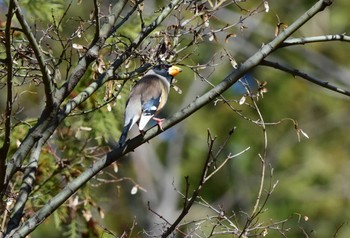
315 39
263 161
49 87
26 188
235 75
8 111
89 173
117 153
92 52
296 72
195 193
97 19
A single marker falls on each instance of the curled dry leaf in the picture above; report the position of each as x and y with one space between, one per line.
211 37
115 167
266 6
109 107
101 212
87 215
134 190
304 134
242 100
229 36
77 46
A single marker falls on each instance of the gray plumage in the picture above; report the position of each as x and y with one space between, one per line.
147 97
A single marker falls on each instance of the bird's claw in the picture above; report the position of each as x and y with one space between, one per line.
159 122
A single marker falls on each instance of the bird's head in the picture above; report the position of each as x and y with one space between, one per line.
166 70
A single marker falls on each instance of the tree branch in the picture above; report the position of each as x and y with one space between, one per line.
296 72
49 120
315 39
89 173
189 202
8 111
49 87
92 52
198 103
26 188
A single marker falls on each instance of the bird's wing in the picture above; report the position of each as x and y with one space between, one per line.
149 108
154 95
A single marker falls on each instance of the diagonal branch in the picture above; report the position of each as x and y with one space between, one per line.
198 103
45 128
26 188
49 120
110 72
71 188
315 39
49 87
296 72
92 52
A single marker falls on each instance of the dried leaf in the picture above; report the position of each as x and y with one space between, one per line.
206 20
77 46
84 128
115 167
304 134
134 190
75 201
229 36
109 107
141 6
266 6
265 233
101 212
233 63
211 37
277 30
242 100
87 215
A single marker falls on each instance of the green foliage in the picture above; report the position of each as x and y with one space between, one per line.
43 10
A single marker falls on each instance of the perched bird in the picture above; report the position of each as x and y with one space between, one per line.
148 97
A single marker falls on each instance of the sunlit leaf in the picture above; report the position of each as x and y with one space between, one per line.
87 215
266 6
134 190
242 100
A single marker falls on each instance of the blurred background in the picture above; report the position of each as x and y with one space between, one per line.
312 196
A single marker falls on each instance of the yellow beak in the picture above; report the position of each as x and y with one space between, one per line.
174 70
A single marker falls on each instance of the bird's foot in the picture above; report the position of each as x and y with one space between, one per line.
159 122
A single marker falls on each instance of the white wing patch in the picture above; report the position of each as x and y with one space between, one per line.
144 120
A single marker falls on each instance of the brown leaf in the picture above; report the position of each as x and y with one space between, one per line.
229 36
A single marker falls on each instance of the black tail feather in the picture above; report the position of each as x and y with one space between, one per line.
124 134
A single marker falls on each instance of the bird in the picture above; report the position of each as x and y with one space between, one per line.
147 98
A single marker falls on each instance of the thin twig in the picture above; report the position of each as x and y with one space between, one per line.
48 85
296 72
195 193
